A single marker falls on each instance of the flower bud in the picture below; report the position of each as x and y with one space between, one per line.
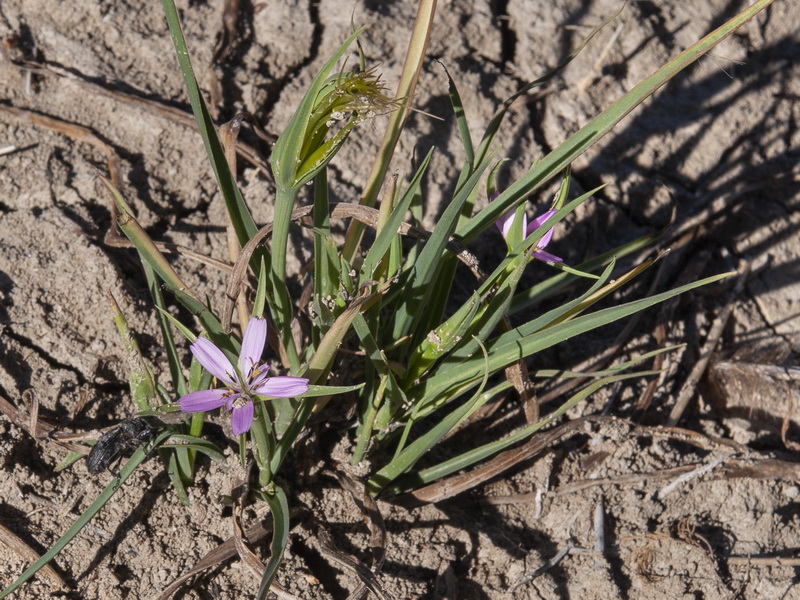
343 102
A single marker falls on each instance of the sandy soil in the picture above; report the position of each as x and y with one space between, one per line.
601 512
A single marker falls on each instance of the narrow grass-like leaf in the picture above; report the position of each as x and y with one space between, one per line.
427 265
318 367
70 459
380 401
260 301
279 508
562 374
262 436
603 292
199 379
151 254
444 338
374 399
557 283
389 231
407 457
242 221
174 471
523 341
142 242
179 440
174 361
185 463
472 457
326 260
210 323
461 117
316 391
563 190
469 346
187 333
155 262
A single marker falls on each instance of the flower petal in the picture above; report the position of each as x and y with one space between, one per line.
213 360
283 387
203 400
538 222
504 222
547 257
242 418
255 335
545 239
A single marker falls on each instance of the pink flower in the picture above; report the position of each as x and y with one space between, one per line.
242 384
505 222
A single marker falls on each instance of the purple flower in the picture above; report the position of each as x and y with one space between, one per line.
505 222
242 384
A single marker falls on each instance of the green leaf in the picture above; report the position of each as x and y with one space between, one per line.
172 460
242 221
329 390
318 367
443 339
476 455
470 347
389 231
461 117
407 457
179 440
326 262
150 253
69 460
174 361
279 508
558 283
428 264
260 301
528 339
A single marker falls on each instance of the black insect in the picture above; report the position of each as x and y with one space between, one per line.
113 444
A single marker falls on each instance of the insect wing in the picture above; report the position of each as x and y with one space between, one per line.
114 443
103 453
